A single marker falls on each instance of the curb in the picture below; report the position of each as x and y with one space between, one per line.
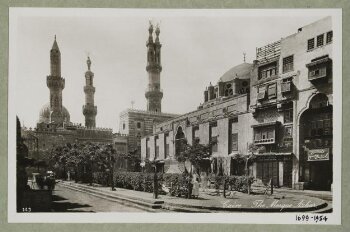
156 205
115 198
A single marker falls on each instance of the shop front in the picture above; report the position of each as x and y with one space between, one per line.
274 168
316 138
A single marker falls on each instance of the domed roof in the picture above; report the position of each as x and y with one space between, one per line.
241 71
44 115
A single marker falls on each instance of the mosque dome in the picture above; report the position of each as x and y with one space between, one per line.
44 115
241 71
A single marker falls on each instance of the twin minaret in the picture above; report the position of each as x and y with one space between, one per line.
89 109
55 83
153 93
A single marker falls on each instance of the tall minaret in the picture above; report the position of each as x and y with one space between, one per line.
153 93
56 84
89 109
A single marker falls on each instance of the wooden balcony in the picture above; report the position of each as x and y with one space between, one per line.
286 87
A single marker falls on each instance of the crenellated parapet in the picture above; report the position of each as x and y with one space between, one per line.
94 133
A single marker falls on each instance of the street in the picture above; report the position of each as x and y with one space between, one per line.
66 200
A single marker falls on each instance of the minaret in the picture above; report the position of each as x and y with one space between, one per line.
89 109
56 84
153 93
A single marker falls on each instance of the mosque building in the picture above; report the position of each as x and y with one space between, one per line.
280 105
54 127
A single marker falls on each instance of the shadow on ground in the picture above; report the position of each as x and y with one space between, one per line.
61 204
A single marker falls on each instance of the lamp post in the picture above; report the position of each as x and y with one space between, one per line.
112 171
155 182
111 168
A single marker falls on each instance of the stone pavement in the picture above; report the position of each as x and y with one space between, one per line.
211 201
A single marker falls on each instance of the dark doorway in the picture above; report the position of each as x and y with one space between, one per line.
320 175
268 170
180 141
237 167
316 139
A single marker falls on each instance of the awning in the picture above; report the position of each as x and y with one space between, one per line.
317 62
274 156
266 124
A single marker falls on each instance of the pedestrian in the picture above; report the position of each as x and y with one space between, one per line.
195 188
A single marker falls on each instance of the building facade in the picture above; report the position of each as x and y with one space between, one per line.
281 104
223 119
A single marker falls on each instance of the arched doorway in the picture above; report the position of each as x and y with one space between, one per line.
316 139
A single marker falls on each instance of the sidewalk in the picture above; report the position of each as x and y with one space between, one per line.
324 195
207 202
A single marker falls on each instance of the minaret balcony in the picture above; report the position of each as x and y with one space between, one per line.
89 89
89 110
154 89
153 67
55 82
154 93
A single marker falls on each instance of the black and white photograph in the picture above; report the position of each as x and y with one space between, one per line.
175 116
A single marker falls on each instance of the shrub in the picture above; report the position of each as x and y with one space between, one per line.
177 184
235 183
100 178
137 181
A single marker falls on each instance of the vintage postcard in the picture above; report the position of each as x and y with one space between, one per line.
175 116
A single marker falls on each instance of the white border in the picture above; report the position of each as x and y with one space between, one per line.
259 218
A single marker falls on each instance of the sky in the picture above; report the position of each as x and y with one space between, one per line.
198 47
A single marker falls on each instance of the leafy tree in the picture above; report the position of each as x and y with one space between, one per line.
22 161
85 158
107 159
253 150
198 154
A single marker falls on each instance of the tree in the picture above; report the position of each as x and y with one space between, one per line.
22 161
85 158
252 152
107 159
198 154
